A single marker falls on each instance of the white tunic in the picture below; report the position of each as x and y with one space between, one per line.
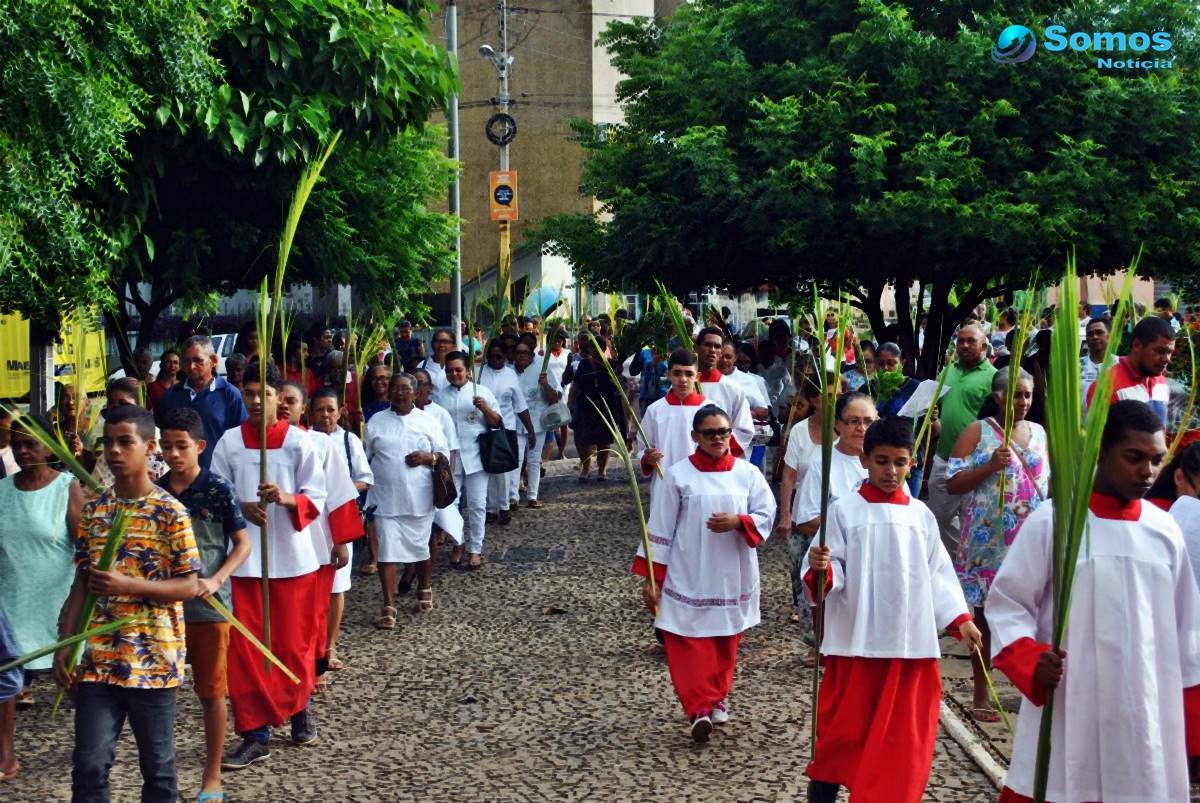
469 422
339 490
846 473
437 374
894 586
447 519
401 489
558 364
505 386
712 583
1186 512
729 396
535 400
669 428
753 385
296 468
1132 644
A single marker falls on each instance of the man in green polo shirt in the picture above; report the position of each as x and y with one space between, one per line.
970 383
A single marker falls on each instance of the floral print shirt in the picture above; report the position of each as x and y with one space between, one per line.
158 545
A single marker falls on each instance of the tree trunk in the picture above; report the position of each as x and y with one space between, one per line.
117 322
938 328
904 321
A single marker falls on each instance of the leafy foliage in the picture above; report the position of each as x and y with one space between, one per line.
76 79
857 145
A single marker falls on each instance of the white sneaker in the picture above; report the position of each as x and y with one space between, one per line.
720 714
701 728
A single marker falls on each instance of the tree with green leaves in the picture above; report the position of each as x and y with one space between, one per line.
861 146
77 79
200 213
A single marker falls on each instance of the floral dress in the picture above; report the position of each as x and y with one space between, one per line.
981 549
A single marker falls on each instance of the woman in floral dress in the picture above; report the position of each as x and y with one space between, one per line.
974 471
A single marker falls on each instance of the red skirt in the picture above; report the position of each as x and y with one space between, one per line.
701 669
877 724
262 697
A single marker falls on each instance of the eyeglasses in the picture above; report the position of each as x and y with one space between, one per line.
713 434
859 422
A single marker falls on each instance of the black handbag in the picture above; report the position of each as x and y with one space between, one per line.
444 492
498 450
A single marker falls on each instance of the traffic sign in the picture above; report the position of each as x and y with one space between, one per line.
502 201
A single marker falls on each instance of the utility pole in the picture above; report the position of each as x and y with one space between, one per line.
454 202
501 130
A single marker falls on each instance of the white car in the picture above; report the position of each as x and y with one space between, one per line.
222 344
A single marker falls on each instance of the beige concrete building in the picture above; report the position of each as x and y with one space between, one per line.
558 74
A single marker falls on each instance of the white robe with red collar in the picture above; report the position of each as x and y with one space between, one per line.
709 580
668 427
1133 647
340 521
727 394
892 586
293 464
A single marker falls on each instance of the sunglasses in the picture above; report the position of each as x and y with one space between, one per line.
713 434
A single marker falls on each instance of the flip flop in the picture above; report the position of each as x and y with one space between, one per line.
985 715
205 797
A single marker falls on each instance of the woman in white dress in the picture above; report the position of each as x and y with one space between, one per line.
402 444
473 408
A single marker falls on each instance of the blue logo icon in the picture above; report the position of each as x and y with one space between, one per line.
1015 44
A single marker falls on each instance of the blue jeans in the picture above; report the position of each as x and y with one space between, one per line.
100 713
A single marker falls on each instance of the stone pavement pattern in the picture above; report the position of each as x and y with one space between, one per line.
536 678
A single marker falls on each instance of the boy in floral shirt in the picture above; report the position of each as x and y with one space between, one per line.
132 673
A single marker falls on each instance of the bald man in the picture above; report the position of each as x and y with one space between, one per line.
970 384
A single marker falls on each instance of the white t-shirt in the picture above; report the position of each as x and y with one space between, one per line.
846 473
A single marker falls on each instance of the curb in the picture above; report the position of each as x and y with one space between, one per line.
970 742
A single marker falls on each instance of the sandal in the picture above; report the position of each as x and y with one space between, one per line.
424 600
25 698
475 563
985 715
535 504
456 557
583 478
333 661
386 619
601 478
210 797
8 775
322 685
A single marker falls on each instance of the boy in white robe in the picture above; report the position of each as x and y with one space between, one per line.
723 391
291 501
668 421
1127 680
711 514
889 588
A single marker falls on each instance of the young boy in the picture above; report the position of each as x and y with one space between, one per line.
291 501
710 515
220 533
131 674
1127 705
347 450
668 421
890 587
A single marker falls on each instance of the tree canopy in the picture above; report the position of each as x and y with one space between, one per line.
862 145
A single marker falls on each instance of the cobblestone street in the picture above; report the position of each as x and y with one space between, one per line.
536 678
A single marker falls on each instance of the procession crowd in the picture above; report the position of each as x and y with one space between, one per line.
409 452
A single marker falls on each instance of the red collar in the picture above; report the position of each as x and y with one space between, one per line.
276 433
1109 507
556 352
693 400
703 462
1161 503
876 496
711 375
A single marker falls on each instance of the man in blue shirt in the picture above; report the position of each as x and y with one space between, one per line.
219 403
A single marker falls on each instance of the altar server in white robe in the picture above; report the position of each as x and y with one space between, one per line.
502 381
402 446
723 391
890 587
668 421
292 500
339 523
1127 679
710 515
540 390
473 408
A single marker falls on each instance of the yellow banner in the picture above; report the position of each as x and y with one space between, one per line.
72 353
